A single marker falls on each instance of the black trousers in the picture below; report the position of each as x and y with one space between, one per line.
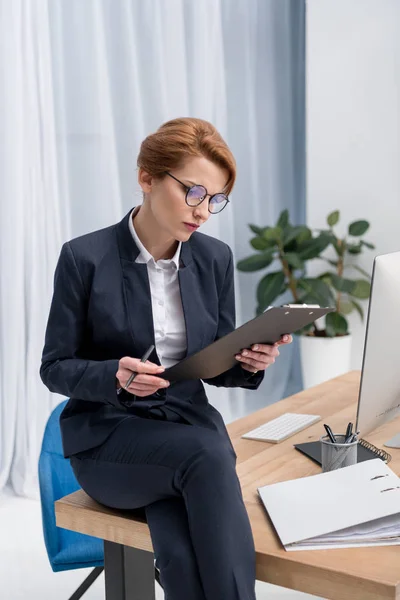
185 477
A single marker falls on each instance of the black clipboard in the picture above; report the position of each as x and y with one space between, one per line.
266 328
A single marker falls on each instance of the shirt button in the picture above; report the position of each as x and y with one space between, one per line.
161 303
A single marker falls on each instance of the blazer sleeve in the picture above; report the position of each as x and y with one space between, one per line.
62 370
236 376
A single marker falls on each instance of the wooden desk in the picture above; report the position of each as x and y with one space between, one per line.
337 574
352 574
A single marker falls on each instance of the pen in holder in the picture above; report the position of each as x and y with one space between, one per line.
337 455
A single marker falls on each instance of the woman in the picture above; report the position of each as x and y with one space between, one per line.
152 278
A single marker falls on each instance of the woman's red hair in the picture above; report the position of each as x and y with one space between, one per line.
167 148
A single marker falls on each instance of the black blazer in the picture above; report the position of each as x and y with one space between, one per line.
101 311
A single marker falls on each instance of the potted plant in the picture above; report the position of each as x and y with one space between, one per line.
325 351
292 246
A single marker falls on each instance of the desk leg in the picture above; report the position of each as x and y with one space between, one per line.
128 573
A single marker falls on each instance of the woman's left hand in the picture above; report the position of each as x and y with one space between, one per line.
261 356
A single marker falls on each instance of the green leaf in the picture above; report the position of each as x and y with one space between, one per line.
259 310
336 324
273 234
259 243
341 284
326 274
269 237
269 288
359 309
362 289
367 244
294 260
346 307
354 248
289 234
283 219
326 278
358 228
255 229
299 233
304 235
316 291
290 247
313 248
256 261
333 218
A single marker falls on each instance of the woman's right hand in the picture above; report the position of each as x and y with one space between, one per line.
145 383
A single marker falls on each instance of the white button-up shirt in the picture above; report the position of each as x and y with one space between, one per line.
168 317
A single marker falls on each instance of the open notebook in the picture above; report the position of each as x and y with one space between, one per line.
351 507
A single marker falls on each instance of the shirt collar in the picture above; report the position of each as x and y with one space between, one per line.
144 255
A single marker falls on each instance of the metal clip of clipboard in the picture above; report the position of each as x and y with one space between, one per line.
302 305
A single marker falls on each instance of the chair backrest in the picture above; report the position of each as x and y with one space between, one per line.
56 479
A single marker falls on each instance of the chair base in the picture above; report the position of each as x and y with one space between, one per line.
85 585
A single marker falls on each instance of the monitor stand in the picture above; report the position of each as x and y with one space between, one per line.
394 442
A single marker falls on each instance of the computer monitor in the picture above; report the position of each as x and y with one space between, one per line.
379 396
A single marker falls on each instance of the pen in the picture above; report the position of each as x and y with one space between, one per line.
330 434
143 360
354 437
349 434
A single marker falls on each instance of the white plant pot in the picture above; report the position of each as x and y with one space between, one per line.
324 358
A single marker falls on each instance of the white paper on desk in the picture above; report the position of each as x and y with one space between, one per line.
349 504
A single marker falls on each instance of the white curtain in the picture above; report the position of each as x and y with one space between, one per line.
32 227
82 84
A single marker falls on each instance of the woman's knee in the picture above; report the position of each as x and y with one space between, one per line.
211 462
211 446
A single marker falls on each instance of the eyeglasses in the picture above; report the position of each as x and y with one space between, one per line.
197 193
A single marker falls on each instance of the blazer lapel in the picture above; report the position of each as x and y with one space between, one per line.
191 300
137 292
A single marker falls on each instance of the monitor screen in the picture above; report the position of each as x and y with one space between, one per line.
379 397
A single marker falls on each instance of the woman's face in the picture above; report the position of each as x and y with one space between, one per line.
166 197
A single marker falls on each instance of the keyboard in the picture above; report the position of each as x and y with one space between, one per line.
281 428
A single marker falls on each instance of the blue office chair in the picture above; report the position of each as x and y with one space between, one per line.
65 549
